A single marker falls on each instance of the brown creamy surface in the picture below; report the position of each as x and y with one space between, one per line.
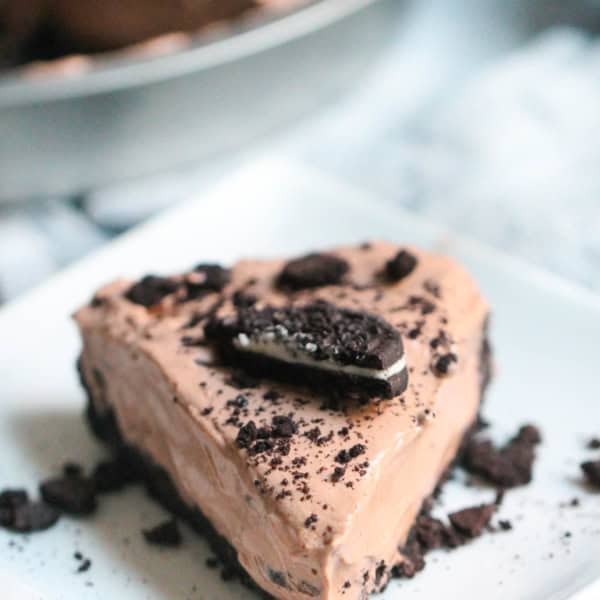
176 410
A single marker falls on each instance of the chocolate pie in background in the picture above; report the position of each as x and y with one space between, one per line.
47 29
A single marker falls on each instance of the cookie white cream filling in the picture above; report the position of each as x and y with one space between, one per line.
267 346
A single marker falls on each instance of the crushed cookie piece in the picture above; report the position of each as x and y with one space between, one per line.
401 266
591 469
445 364
311 520
164 534
312 271
246 435
337 474
151 290
472 521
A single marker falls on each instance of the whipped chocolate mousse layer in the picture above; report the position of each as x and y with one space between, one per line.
316 499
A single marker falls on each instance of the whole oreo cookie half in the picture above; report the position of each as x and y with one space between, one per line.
316 343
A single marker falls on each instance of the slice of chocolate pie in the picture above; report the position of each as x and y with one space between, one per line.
297 414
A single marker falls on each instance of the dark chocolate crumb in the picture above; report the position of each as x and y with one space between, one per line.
413 334
379 573
472 521
410 566
283 427
312 271
430 533
337 474
205 279
74 495
399 267
13 498
594 444
239 401
97 302
278 578
509 466
445 364
246 435
345 456
313 434
529 434
165 534
85 565
263 433
31 516
499 499
260 447
419 303
591 469
311 520
453 538
356 450
150 290
505 525
433 288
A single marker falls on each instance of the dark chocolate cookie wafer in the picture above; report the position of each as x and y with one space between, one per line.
316 343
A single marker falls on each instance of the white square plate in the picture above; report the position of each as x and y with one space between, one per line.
546 335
